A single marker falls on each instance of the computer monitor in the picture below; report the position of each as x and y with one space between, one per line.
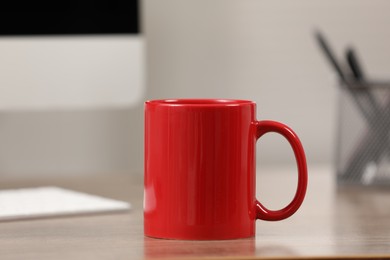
71 90
90 56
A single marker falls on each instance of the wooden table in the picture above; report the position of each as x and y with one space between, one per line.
332 222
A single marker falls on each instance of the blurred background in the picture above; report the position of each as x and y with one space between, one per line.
72 101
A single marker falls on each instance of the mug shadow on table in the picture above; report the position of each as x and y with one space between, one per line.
162 248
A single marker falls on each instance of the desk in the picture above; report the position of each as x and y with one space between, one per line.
331 223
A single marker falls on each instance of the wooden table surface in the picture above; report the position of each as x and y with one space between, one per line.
333 222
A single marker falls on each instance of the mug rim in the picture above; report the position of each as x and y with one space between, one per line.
199 102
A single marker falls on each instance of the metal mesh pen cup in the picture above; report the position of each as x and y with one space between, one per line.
363 136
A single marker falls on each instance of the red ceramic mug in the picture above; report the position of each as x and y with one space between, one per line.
200 169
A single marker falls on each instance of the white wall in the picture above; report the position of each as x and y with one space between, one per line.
70 142
265 51
262 50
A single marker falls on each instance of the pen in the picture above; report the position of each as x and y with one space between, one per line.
367 106
354 64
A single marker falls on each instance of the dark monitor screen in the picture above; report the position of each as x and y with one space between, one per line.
88 17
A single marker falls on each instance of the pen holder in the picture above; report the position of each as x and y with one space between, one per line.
363 136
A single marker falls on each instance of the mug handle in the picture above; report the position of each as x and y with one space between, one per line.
263 127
